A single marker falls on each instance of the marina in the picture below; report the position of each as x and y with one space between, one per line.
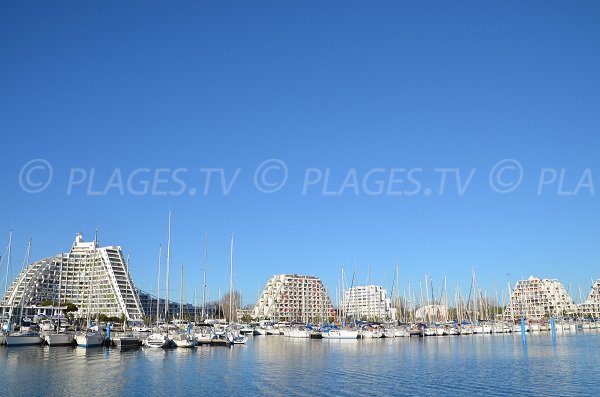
314 199
291 305
276 365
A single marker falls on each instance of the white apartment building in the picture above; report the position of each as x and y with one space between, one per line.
294 297
368 302
538 298
95 279
591 306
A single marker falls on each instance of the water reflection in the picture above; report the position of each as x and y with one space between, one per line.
275 365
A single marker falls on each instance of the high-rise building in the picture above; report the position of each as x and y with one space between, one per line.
591 306
368 302
293 297
95 279
538 298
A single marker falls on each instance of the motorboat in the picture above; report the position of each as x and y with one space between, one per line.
237 339
340 334
203 336
156 340
125 341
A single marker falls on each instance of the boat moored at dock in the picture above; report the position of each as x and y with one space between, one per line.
60 339
89 339
340 334
125 341
26 338
184 340
156 341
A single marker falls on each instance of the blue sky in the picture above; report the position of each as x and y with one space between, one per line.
338 86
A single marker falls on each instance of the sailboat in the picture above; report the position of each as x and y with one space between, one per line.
91 337
336 333
203 334
298 333
233 335
24 337
183 339
157 339
5 327
340 334
58 337
128 340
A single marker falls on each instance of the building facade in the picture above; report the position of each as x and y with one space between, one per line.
95 279
150 302
367 303
536 298
293 297
591 306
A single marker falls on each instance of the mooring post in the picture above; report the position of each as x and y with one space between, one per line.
523 331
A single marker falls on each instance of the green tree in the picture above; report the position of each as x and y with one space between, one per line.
70 307
246 318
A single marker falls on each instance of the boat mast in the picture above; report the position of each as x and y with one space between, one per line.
9 255
97 301
181 298
204 278
397 297
25 261
168 269
127 316
158 285
62 257
343 298
446 299
195 308
231 281
89 302
411 308
406 302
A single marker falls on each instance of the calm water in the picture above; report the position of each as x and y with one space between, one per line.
274 365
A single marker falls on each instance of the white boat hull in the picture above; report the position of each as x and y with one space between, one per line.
297 333
23 340
155 341
340 334
60 339
372 335
203 338
401 333
239 339
89 340
123 342
185 343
